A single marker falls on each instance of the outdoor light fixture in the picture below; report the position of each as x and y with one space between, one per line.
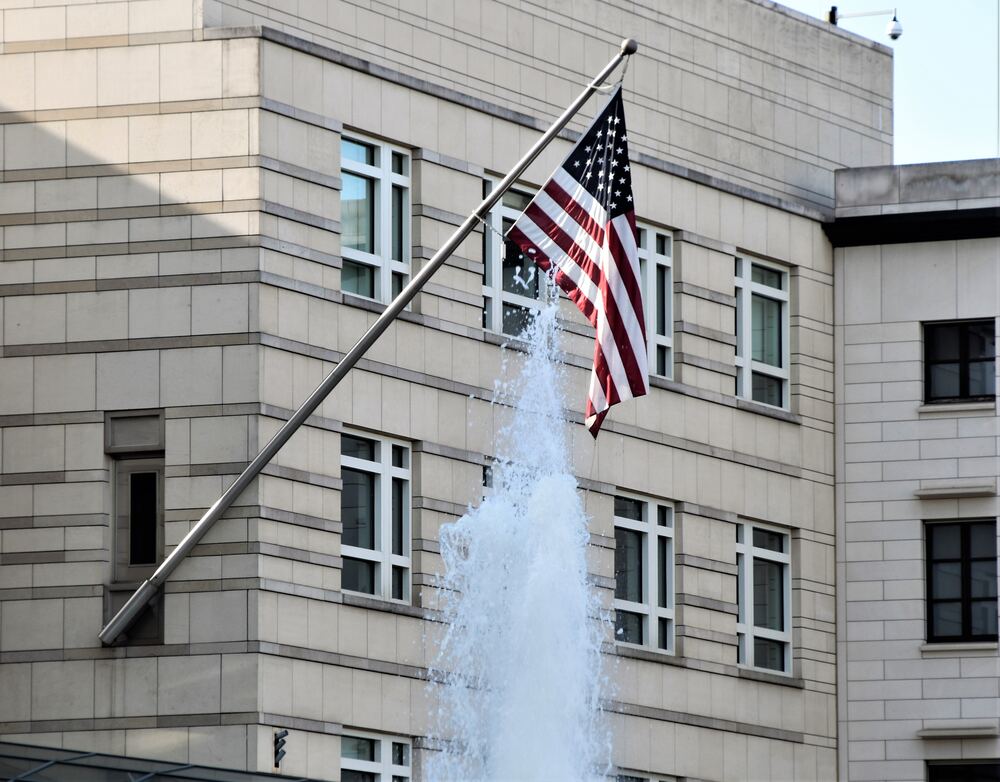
894 29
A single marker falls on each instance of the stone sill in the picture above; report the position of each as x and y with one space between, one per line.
669 658
959 729
973 648
956 492
948 408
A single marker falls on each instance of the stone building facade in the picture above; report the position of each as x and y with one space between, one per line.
203 205
917 298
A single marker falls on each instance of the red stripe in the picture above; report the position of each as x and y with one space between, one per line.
574 209
636 377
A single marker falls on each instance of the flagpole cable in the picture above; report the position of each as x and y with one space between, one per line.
129 612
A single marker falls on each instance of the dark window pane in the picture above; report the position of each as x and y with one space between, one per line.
980 340
357 748
398 218
399 456
662 300
358 447
358 152
358 576
663 639
398 583
984 617
398 283
983 574
515 319
357 508
946 541
767 389
519 273
398 500
628 627
664 518
981 380
983 540
946 619
661 574
628 565
772 541
142 518
516 200
946 580
627 508
357 208
662 360
765 322
964 772
400 754
942 342
945 382
357 278
398 163
768 595
662 244
765 276
357 776
768 654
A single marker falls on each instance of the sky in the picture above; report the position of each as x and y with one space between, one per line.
946 66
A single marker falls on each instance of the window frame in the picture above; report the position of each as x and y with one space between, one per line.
650 610
966 599
746 630
384 179
964 362
383 768
382 556
746 366
494 294
649 257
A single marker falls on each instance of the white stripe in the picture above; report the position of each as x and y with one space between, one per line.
581 195
561 261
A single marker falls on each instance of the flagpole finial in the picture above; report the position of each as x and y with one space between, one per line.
630 46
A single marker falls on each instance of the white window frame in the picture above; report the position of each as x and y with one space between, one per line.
382 556
746 631
650 611
494 296
384 178
383 767
649 260
746 289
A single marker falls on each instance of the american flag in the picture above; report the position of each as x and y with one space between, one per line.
582 225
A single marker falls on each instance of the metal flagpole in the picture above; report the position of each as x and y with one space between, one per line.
129 612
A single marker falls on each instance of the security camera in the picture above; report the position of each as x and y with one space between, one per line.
894 29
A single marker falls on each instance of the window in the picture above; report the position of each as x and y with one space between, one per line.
375 512
958 361
512 284
375 218
135 442
762 332
644 573
969 771
372 758
655 263
962 581
764 597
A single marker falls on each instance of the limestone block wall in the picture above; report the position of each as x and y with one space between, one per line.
893 683
182 251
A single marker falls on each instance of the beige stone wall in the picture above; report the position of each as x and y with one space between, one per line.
171 240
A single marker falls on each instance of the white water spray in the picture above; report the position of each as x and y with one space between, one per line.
521 655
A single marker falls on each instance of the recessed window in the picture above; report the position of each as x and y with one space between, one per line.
762 355
968 771
375 218
375 513
374 758
644 573
961 581
512 283
764 598
656 267
959 360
